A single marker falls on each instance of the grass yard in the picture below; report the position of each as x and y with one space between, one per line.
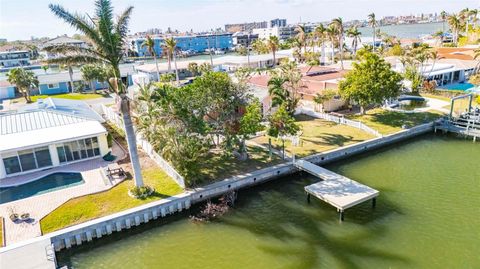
71 96
319 136
388 122
97 205
217 167
461 105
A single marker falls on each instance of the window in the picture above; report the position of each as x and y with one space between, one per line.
53 86
42 155
88 144
12 165
61 154
79 149
27 160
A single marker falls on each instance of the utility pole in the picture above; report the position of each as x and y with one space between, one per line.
248 49
209 50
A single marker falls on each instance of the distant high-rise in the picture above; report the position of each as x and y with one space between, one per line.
278 23
245 27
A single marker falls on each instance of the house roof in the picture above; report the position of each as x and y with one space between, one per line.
39 128
69 107
63 40
456 53
125 69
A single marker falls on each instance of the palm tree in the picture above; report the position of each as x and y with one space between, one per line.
171 47
465 18
272 44
443 16
302 36
373 23
277 90
455 24
24 80
331 32
320 35
337 24
149 43
355 34
107 37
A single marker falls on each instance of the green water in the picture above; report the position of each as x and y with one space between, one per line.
427 216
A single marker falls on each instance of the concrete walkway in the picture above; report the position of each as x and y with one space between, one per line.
36 255
41 205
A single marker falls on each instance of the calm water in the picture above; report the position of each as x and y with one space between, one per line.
407 30
427 216
46 184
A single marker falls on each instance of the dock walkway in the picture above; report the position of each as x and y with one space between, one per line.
336 190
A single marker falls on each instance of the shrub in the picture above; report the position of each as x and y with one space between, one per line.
141 192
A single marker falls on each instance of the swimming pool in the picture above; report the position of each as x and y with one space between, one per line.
52 182
458 87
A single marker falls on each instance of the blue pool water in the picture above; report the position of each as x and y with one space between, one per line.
458 86
43 185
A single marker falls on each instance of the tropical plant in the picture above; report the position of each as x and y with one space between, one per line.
456 25
355 34
92 73
193 68
325 96
443 16
260 47
282 124
372 21
272 45
149 43
337 24
321 36
371 81
250 124
284 86
301 36
170 46
331 33
108 38
45 68
24 80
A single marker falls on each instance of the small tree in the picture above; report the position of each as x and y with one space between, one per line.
45 68
250 124
371 81
24 80
281 125
324 96
92 73
193 68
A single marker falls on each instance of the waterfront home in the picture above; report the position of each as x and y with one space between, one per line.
315 80
61 40
36 140
194 43
9 59
7 90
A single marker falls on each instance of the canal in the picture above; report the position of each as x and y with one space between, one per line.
427 216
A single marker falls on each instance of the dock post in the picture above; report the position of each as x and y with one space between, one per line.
308 198
374 202
341 215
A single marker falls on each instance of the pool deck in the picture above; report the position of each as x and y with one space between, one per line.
41 205
40 256
336 190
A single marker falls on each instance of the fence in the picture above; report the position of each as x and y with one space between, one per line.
340 120
112 116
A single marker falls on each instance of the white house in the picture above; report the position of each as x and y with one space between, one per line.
40 139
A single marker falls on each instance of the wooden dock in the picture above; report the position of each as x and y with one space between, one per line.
336 190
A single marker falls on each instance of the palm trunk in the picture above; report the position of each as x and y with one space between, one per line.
156 65
93 86
70 73
341 51
169 58
333 53
323 53
131 140
176 69
274 60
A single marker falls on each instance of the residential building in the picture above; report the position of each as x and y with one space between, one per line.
278 23
197 44
10 59
39 140
245 27
243 39
265 33
61 40
7 90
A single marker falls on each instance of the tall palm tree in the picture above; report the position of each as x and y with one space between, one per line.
171 47
272 44
337 24
355 34
465 18
301 36
331 33
320 35
24 80
107 37
455 24
149 43
443 16
373 23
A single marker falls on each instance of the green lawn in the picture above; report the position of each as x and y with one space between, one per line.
71 96
319 136
217 166
93 206
388 122
461 105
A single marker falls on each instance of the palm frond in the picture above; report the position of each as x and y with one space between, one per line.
122 22
76 59
71 49
77 21
104 13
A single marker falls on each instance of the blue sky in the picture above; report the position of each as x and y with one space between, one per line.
21 19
